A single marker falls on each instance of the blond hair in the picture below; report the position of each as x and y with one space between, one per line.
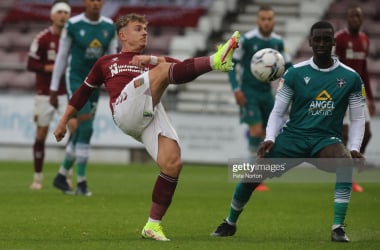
132 17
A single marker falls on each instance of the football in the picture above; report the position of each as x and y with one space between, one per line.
267 65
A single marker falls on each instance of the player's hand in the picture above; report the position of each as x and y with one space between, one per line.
371 108
60 131
264 148
359 160
49 68
53 99
140 60
240 98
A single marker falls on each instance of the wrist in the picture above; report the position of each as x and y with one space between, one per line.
153 60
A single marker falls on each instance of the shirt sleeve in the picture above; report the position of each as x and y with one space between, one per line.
356 128
356 104
61 60
35 61
276 117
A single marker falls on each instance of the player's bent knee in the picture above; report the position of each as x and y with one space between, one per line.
256 130
171 166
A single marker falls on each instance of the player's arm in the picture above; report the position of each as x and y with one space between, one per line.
276 117
77 101
59 66
60 60
34 62
141 60
357 122
36 65
93 81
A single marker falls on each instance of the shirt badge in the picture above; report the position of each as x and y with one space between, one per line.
340 82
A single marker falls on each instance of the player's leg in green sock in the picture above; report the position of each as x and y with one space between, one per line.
254 143
82 148
342 195
243 192
69 158
341 199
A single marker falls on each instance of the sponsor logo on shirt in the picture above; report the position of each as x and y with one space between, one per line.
322 105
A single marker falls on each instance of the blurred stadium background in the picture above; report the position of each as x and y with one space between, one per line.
204 112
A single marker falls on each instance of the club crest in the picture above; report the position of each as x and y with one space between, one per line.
340 82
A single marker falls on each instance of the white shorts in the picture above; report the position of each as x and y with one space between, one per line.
44 112
346 119
135 116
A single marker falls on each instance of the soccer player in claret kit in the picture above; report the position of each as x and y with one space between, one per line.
135 84
352 48
41 59
318 92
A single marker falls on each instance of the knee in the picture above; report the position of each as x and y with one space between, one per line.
256 130
171 165
156 72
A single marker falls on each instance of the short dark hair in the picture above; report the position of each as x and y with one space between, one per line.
353 7
265 7
321 25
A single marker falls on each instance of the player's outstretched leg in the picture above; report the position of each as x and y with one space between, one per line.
222 59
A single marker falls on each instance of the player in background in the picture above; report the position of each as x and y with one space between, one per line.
85 38
254 97
352 48
135 84
41 59
318 92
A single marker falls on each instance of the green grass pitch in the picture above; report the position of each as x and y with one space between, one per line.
293 215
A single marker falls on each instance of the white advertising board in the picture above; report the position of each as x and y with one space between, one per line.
203 138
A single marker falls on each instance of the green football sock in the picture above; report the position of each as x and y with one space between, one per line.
243 192
82 153
341 200
68 162
254 143
69 159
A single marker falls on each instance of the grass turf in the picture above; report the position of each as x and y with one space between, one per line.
290 216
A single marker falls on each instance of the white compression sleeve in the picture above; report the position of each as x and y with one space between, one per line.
356 128
276 119
60 61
